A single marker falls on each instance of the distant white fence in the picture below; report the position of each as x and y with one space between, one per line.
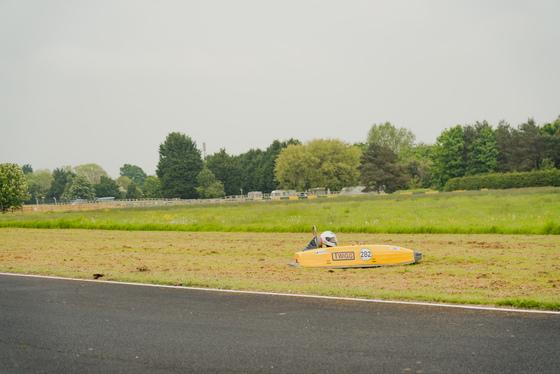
111 203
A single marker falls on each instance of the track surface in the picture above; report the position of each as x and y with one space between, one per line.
67 326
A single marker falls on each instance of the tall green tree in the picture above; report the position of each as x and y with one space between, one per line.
107 187
225 168
550 134
329 163
27 169
33 190
133 192
249 163
397 139
13 187
268 182
256 167
447 156
78 188
296 168
506 144
39 183
470 134
135 173
551 128
123 182
338 163
209 187
92 172
380 170
362 146
179 164
483 154
523 148
417 165
152 187
531 145
61 177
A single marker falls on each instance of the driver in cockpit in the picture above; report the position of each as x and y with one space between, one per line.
327 239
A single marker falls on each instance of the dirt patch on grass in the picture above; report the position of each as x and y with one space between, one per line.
476 269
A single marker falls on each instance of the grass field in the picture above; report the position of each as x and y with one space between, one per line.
247 246
522 211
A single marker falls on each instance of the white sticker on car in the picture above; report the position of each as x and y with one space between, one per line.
365 254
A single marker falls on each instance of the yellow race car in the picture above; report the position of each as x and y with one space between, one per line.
324 252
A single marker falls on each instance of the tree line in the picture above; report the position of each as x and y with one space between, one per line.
181 173
387 161
479 149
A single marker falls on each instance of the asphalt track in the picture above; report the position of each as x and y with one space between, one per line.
69 326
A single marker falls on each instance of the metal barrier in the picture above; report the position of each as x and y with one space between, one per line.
65 207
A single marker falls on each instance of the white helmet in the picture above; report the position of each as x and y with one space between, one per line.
328 239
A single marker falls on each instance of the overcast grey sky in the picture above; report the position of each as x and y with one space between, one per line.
105 82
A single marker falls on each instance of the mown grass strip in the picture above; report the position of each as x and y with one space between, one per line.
506 270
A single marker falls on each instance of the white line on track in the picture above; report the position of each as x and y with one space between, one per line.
472 307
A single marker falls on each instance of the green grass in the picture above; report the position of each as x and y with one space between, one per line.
533 211
475 245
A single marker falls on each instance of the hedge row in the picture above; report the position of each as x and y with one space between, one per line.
546 178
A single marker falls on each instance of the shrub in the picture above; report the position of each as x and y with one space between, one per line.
545 178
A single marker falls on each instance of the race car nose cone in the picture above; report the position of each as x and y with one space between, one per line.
417 256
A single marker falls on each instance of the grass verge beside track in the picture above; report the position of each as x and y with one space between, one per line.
506 270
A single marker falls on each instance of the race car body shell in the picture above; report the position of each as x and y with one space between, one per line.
365 255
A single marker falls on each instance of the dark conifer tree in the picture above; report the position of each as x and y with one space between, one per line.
179 164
